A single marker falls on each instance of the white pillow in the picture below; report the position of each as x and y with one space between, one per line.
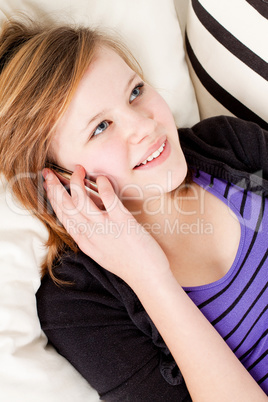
228 56
29 370
151 30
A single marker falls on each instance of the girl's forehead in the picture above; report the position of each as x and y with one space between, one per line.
107 59
107 70
104 81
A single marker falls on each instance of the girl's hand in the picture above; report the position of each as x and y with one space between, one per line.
111 237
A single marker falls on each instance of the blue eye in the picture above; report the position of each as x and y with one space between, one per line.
101 127
137 91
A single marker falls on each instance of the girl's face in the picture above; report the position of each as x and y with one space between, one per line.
119 126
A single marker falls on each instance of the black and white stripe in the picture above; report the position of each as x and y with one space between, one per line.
228 55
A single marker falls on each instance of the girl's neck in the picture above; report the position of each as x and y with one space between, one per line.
181 206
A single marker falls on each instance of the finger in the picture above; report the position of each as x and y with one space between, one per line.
77 187
59 198
111 202
67 213
107 193
82 198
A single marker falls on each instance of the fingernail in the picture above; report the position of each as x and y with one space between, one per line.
44 173
79 167
47 174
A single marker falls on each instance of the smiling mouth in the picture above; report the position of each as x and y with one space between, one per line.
153 156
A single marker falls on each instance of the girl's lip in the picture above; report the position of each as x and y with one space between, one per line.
157 161
152 149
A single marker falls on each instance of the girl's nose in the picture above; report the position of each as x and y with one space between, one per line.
138 125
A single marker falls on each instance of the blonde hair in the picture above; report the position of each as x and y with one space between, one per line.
41 68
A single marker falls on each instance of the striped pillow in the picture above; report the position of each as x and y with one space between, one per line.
226 42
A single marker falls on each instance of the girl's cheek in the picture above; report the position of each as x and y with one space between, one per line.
107 161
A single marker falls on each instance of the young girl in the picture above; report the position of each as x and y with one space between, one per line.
155 290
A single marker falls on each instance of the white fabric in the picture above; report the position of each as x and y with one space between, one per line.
29 370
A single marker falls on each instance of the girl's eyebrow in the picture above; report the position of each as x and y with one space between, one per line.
103 112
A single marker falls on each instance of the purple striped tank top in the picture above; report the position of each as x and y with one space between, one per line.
236 305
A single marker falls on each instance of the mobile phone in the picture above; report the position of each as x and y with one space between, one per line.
64 175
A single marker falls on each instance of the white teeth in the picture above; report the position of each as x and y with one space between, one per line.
154 155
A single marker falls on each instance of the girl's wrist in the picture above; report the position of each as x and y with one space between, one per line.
154 282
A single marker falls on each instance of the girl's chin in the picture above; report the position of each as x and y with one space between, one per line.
163 184
140 195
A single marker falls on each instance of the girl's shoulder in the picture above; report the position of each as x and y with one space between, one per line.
229 148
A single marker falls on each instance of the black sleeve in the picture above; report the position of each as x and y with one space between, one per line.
228 142
89 325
